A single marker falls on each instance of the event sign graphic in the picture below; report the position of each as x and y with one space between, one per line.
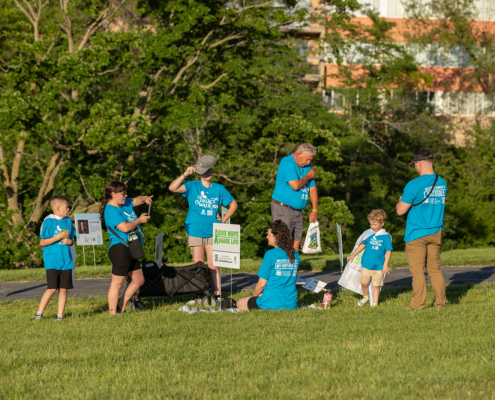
159 249
88 229
227 246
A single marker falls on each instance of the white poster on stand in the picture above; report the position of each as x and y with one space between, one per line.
88 229
159 249
227 246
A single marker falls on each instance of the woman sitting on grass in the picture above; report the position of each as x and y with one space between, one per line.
276 288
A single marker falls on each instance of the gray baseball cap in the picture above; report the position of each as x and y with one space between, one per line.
205 163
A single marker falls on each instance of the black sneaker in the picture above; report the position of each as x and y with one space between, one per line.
38 316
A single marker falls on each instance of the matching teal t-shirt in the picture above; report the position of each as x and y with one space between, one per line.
115 216
426 218
203 207
280 292
288 170
57 255
377 246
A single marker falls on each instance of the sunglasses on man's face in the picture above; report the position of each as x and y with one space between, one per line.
124 192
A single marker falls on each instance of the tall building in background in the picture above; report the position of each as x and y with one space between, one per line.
450 94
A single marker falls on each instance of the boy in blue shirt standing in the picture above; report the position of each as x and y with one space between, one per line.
377 252
57 240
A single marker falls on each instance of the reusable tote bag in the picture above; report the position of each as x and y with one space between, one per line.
312 244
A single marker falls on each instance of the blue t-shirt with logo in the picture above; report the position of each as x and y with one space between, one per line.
288 170
280 291
426 218
374 253
203 207
115 216
57 255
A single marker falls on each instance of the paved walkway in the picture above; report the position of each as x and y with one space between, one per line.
99 287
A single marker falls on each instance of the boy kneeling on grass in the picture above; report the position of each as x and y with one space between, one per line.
376 256
57 238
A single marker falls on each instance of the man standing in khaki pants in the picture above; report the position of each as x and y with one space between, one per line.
424 198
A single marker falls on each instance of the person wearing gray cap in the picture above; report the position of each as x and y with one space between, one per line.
204 198
424 202
295 183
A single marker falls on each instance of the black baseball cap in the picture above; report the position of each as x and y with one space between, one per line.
422 155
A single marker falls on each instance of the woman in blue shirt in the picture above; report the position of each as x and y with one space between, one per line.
204 198
276 287
117 213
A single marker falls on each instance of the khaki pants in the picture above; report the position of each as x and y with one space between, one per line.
426 250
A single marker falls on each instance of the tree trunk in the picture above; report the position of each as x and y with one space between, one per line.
46 190
11 182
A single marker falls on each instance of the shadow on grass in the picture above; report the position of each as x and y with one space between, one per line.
319 263
392 292
456 292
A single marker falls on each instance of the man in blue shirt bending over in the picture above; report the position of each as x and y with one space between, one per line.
294 185
424 198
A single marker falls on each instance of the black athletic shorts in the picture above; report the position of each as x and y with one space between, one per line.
122 261
252 303
57 279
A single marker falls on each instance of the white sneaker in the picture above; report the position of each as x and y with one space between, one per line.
362 302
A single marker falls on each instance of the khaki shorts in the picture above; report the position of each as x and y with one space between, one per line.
375 276
193 241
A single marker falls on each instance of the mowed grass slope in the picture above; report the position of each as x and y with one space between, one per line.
461 258
388 352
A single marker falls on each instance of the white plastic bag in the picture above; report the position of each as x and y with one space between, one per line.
312 244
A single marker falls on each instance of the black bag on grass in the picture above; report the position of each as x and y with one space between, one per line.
228 303
173 281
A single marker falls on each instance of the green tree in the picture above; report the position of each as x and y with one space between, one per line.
85 101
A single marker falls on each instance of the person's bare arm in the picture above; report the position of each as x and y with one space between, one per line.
402 207
313 195
260 286
176 186
129 226
61 236
296 185
137 201
386 269
358 250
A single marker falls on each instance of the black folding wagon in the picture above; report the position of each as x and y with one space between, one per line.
168 281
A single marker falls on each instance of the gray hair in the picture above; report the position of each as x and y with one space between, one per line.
307 147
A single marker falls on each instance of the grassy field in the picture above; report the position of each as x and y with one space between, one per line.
466 257
388 352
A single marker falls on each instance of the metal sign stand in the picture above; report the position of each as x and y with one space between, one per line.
84 257
94 256
341 251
